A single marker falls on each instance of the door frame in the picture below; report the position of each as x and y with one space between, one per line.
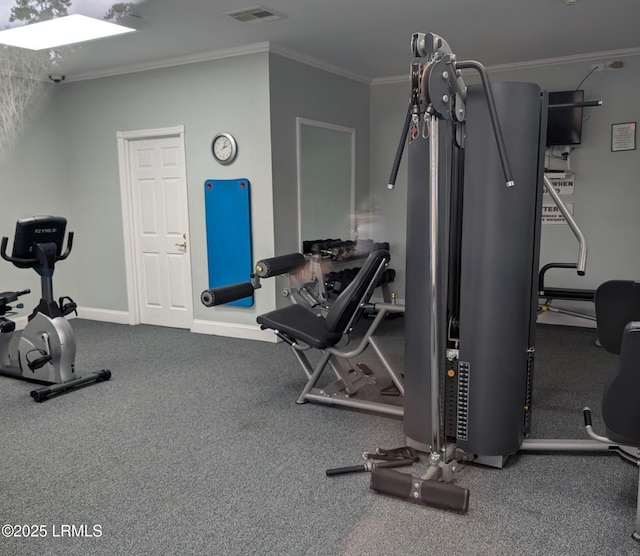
128 218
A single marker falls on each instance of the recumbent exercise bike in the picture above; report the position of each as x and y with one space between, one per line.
47 347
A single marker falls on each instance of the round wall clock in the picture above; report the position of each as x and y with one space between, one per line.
224 148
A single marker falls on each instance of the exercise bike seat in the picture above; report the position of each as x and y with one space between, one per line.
620 407
297 323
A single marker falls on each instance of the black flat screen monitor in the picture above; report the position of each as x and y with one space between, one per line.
38 229
564 124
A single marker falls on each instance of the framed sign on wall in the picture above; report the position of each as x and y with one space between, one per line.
623 137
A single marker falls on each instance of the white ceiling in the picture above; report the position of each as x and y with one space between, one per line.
368 39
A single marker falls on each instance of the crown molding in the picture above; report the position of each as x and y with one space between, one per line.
319 64
588 57
544 62
177 61
218 55
314 62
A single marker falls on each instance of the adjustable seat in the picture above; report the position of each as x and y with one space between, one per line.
621 397
618 321
302 329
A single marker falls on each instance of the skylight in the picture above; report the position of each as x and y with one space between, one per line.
61 31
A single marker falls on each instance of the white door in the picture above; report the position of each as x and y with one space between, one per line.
159 226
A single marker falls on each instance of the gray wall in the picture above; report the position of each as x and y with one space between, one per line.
76 143
33 180
68 163
299 90
607 193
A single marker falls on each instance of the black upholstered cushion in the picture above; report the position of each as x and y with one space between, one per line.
349 300
620 401
617 303
301 324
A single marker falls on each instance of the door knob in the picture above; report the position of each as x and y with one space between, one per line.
184 243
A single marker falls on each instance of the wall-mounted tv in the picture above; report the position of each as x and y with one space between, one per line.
564 123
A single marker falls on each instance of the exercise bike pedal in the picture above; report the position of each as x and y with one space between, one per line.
6 326
39 362
67 308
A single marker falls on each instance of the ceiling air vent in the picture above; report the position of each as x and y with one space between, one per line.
254 15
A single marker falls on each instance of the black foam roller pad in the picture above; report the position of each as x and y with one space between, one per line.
445 496
394 483
279 265
225 294
436 494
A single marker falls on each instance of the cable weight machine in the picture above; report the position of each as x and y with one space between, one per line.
474 197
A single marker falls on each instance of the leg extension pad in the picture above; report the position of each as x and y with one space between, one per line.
437 494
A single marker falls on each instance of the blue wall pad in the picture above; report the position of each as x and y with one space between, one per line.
228 221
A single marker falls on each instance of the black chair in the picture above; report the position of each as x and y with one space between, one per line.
303 329
618 320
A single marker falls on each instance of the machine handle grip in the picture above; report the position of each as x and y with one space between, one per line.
225 294
493 116
349 469
549 266
400 150
370 466
279 265
582 242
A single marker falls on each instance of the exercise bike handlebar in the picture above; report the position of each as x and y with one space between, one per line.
68 249
3 250
34 261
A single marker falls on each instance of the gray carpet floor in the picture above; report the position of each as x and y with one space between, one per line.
196 447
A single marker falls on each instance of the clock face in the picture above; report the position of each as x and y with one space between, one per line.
224 148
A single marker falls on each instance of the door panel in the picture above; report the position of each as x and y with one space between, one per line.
159 203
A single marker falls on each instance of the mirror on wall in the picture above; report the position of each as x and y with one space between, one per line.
326 180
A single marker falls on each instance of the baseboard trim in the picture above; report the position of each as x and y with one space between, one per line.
103 315
547 317
232 330
250 332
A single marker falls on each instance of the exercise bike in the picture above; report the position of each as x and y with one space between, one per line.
47 347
